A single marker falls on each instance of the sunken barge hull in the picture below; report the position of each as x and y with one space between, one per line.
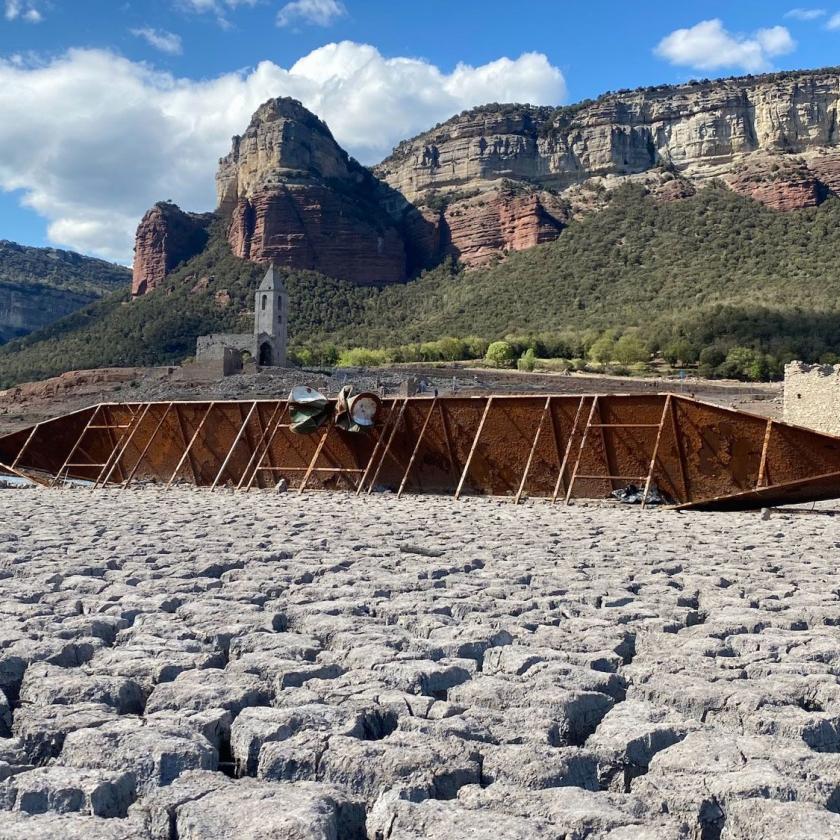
694 455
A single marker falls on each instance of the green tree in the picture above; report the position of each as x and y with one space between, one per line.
630 349
744 363
528 360
500 354
475 347
679 351
362 357
709 360
602 351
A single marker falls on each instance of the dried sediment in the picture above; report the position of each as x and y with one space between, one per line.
194 665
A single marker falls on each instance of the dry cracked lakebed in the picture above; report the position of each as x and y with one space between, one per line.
186 664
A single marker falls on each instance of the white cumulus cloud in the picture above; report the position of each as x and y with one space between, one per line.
709 46
93 139
316 12
160 39
833 22
23 10
805 14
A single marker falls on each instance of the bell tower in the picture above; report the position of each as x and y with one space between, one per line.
271 320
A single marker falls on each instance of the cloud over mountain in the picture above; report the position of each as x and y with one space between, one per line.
709 46
93 139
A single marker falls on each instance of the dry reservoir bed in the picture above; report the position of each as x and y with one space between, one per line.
188 664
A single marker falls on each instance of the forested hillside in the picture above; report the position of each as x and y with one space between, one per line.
40 285
698 276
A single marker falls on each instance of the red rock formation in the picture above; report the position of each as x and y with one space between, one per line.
827 170
290 194
294 197
423 234
166 237
312 227
491 224
781 194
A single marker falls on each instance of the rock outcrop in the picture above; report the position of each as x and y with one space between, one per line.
25 308
41 285
166 237
483 228
504 178
699 129
294 197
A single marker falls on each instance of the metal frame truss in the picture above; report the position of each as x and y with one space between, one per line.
695 454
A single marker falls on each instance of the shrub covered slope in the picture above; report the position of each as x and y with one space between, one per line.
701 275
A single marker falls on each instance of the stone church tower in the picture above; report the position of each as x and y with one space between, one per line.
271 321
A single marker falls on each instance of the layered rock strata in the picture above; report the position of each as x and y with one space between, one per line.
504 178
700 129
295 198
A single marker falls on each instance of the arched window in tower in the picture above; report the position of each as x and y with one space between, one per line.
280 310
264 302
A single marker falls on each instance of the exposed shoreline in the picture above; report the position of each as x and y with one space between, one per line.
415 667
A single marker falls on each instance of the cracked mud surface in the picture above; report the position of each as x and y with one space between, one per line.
188 664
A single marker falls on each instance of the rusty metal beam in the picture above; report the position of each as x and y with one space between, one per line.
416 447
75 447
266 438
190 446
133 471
311 467
649 479
387 445
233 446
183 437
444 422
680 452
762 466
25 445
379 438
20 474
473 447
130 431
567 451
580 449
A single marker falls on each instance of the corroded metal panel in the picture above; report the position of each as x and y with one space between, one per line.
695 454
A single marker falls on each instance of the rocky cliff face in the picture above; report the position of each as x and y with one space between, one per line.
24 309
41 285
295 198
773 138
503 178
697 129
165 238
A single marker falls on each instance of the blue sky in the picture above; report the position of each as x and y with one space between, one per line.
110 106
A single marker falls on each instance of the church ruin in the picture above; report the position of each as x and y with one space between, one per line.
267 345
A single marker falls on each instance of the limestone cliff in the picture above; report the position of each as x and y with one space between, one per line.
774 138
294 197
41 285
165 238
503 178
697 129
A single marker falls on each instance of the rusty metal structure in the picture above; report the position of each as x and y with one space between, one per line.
559 447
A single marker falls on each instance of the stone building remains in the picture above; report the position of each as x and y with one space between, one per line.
812 396
267 345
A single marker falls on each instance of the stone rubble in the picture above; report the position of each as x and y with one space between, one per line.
188 665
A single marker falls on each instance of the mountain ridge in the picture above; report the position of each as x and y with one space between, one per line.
41 285
711 273
695 184
502 178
